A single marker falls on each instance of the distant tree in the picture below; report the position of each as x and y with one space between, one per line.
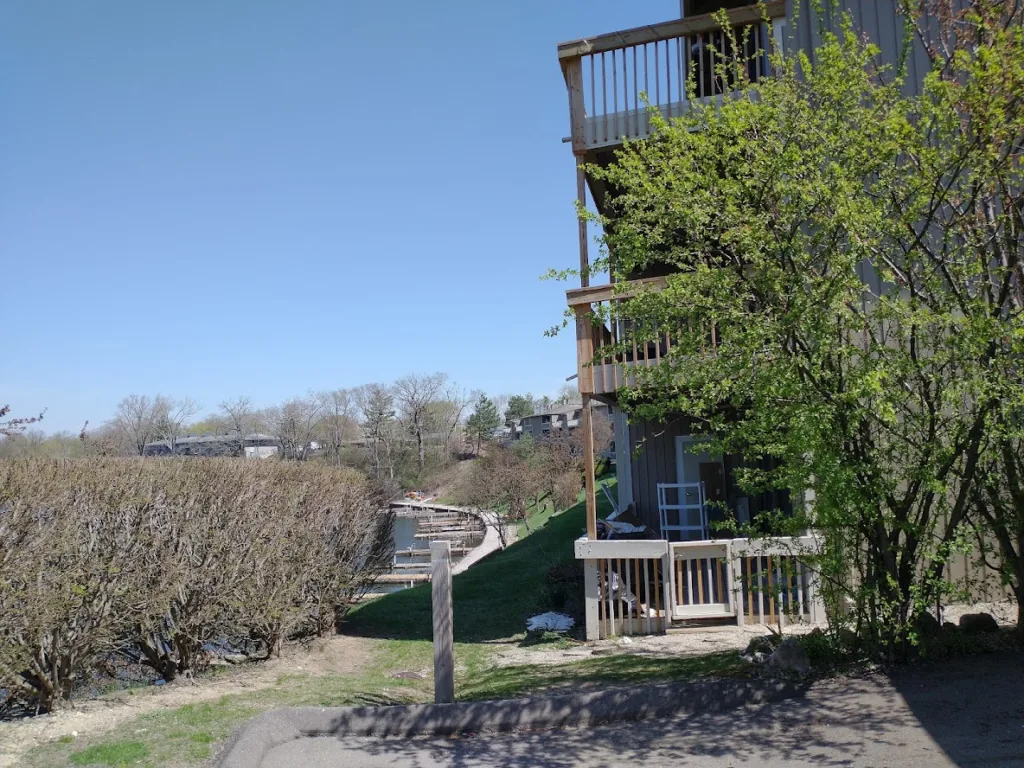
519 406
211 424
171 417
295 424
339 423
483 421
375 404
414 395
501 403
241 418
568 395
542 404
500 485
134 422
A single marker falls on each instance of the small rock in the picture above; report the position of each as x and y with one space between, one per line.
791 656
760 644
949 628
235 658
406 674
626 641
978 623
161 681
74 734
760 657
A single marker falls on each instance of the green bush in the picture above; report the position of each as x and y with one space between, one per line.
163 556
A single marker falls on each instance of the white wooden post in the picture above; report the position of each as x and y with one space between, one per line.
736 569
592 597
815 605
670 584
441 600
666 586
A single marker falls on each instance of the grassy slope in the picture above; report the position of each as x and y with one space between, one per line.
494 598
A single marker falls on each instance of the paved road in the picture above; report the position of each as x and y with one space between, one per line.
970 712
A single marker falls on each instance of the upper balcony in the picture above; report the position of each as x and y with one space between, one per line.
608 75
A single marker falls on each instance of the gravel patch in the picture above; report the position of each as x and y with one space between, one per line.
689 642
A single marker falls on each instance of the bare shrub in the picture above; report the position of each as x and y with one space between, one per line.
165 556
566 488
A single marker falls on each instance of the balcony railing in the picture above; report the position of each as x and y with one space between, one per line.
609 347
640 587
608 76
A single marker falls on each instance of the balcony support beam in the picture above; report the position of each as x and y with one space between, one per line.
590 488
581 196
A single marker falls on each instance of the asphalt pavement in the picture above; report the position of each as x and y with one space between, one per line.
966 712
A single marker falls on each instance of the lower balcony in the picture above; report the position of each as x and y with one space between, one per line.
642 587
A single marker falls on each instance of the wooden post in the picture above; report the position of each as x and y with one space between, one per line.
441 600
573 72
666 586
592 598
588 463
736 585
584 351
581 195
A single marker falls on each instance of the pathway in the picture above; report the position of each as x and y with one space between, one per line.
965 712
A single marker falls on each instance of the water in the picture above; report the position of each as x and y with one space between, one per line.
405 529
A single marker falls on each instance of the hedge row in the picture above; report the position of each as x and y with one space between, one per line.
158 558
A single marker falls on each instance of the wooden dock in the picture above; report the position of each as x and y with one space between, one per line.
435 522
403 578
426 552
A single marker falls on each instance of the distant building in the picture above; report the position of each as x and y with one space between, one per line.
254 446
567 417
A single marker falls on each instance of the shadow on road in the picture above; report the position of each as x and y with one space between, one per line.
967 711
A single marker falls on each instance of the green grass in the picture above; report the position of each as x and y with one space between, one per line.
492 600
116 753
623 669
537 518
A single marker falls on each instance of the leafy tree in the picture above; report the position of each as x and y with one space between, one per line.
483 421
519 406
853 254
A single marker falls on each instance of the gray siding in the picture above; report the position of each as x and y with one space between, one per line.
652 461
878 20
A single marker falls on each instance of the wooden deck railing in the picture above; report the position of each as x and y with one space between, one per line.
609 76
626 587
639 587
609 346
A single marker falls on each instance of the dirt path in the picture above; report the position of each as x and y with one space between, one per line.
334 655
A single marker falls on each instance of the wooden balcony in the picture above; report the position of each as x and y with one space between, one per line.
599 327
607 76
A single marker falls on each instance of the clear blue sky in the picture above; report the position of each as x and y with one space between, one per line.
224 198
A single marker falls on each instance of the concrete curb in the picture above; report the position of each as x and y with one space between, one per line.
271 729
